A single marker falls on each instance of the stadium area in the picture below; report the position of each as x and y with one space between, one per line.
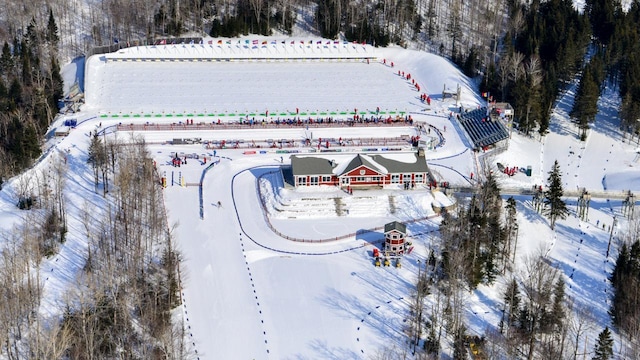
234 81
226 116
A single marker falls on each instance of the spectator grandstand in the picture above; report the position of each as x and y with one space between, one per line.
481 129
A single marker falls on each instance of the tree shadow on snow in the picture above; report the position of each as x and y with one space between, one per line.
524 206
326 351
607 120
585 269
385 316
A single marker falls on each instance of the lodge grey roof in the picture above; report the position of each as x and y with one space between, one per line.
309 165
360 160
394 167
398 226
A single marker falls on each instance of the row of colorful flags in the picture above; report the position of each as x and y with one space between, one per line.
273 42
487 96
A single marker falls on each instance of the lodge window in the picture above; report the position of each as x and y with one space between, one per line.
314 180
302 180
406 177
395 178
418 178
360 179
326 179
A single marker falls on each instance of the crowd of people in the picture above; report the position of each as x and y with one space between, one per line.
354 120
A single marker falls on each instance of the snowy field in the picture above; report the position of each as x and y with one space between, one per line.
249 293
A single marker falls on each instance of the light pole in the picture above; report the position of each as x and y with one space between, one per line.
613 225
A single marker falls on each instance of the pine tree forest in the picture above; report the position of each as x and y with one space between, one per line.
522 52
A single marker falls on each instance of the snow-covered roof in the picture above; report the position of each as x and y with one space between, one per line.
419 164
395 225
356 162
339 164
310 165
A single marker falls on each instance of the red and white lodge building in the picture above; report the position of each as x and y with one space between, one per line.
360 170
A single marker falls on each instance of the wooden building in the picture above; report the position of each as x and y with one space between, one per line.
360 171
395 238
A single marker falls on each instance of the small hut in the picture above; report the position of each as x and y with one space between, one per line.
395 237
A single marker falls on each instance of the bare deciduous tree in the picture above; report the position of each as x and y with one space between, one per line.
537 279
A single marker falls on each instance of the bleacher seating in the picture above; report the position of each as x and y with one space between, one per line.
481 129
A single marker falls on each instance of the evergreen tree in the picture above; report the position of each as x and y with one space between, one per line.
174 25
14 97
555 207
490 198
32 36
585 106
51 34
328 18
603 16
520 93
511 303
475 245
625 279
3 95
604 347
533 100
29 65
30 143
492 254
621 267
54 87
431 16
511 230
470 67
557 313
630 113
455 32
97 158
168 22
6 60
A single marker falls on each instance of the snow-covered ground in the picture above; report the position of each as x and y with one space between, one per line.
250 293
